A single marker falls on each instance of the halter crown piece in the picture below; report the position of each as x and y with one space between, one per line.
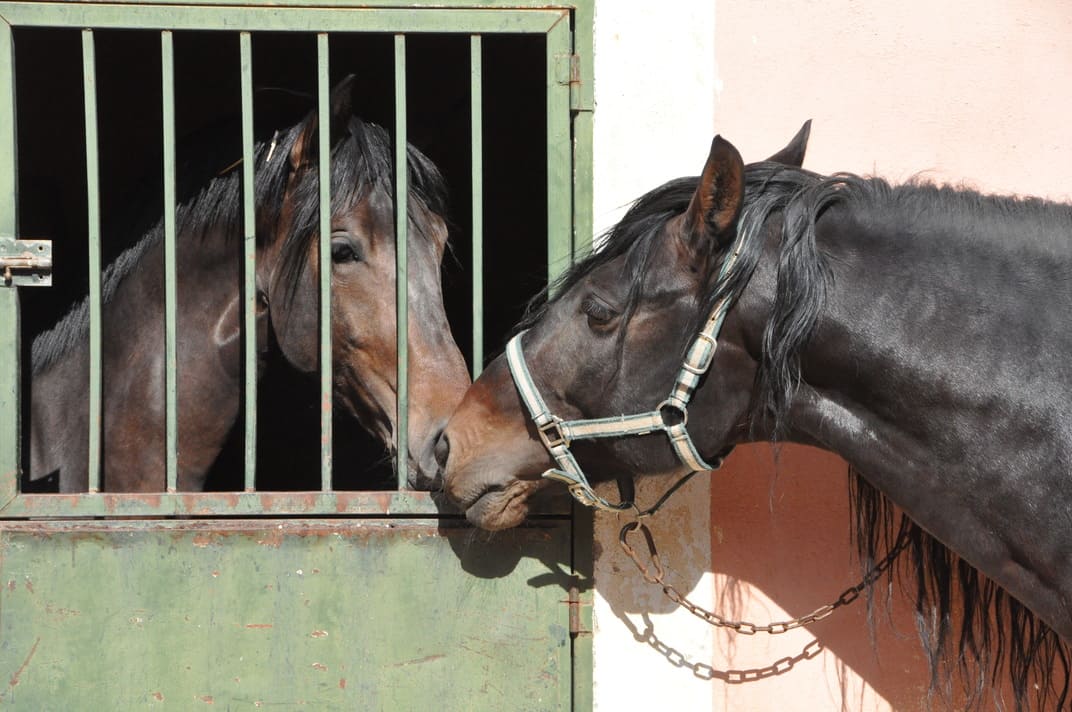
671 416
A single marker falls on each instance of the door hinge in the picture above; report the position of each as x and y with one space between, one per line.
576 623
25 263
568 73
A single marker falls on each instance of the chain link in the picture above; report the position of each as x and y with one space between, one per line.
656 575
704 671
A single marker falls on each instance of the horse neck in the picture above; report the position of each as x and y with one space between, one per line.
132 365
926 312
938 369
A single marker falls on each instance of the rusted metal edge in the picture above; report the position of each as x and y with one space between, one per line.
233 504
269 529
108 504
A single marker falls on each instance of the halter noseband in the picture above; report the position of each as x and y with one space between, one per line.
671 416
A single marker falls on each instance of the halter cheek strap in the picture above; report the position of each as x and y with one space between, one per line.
671 416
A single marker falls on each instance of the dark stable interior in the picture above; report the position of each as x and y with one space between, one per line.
52 186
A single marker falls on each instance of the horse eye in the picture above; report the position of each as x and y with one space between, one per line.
599 314
343 249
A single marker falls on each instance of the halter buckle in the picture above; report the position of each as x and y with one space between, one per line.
709 355
551 434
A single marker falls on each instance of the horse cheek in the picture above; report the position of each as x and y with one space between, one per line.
294 320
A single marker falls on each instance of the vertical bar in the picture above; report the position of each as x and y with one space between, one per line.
476 69
167 72
324 116
559 151
582 565
582 518
9 298
89 78
249 266
583 47
402 260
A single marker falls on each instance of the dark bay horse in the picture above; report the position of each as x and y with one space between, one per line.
209 313
920 332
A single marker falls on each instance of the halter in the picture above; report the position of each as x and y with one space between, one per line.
670 416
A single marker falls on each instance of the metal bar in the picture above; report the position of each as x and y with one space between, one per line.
453 5
582 565
89 79
582 534
582 185
255 19
583 170
9 298
476 84
171 361
115 504
249 267
324 174
559 154
407 503
402 262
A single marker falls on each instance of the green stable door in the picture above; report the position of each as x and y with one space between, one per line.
328 597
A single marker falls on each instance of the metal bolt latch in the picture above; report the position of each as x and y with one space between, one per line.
25 263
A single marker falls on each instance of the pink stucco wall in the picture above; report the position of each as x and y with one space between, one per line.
977 92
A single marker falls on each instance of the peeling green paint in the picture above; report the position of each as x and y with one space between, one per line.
330 615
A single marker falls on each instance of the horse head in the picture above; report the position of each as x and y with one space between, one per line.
610 341
363 278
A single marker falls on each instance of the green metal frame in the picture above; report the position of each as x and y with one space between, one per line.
568 29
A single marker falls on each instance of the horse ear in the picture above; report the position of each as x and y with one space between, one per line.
793 153
341 103
228 335
715 205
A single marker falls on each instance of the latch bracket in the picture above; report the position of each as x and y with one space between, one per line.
25 263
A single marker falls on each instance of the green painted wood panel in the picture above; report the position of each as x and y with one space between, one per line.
325 615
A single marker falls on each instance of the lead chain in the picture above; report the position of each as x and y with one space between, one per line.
656 575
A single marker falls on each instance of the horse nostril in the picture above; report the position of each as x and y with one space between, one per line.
442 451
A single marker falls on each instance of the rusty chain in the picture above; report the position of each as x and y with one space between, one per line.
656 575
735 676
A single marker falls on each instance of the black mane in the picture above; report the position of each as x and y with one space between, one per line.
996 633
211 197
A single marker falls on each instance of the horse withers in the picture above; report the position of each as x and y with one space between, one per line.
209 312
918 331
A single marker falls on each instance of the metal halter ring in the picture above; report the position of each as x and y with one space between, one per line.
668 405
551 433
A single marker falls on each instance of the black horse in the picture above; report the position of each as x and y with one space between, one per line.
209 258
921 332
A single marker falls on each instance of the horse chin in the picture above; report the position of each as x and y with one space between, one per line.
503 508
359 404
